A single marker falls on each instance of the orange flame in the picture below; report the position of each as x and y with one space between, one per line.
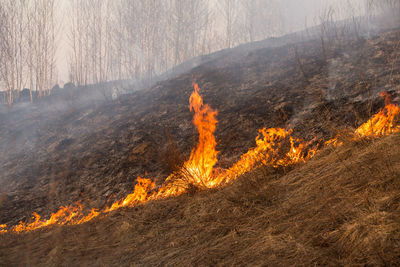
93 213
199 170
202 160
268 151
334 142
63 216
139 195
3 228
383 123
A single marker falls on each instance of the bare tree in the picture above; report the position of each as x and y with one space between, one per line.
12 45
389 7
44 44
262 19
230 13
90 38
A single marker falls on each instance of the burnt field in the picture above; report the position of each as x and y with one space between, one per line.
93 154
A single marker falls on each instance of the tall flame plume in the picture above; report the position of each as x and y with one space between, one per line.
202 160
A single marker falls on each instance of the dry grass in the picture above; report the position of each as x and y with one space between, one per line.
341 208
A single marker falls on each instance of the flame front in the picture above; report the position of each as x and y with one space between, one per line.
139 195
275 147
64 215
269 151
383 123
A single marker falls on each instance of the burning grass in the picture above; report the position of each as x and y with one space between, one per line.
275 147
383 123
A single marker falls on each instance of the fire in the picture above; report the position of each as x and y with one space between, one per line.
198 170
383 123
64 215
269 151
139 195
275 147
93 213
3 228
334 142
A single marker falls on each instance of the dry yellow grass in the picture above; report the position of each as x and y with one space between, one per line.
341 208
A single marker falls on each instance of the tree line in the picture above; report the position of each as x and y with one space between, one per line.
27 46
125 39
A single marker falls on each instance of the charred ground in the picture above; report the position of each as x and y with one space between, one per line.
94 153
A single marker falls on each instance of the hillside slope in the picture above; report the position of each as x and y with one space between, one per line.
340 208
93 154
